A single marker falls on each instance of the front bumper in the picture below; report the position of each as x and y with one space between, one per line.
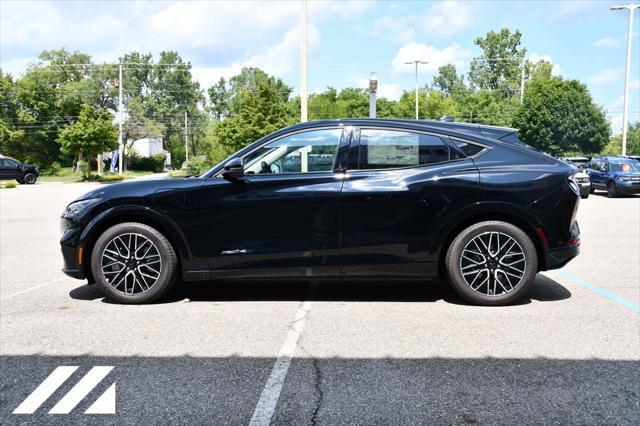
585 189
71 250
627 187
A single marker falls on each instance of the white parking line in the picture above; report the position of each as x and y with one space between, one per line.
271 392
30 289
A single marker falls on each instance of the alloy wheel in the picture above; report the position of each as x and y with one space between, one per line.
493 263
131 263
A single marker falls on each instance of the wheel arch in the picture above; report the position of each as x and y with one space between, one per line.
499 215
123 214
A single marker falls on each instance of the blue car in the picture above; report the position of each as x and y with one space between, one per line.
616 175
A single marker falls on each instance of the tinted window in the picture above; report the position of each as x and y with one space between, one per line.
382 149
312 151
468 149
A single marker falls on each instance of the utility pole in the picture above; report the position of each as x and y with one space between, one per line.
625 114
522 67
303 64
120 114
186 142
373 89
416 62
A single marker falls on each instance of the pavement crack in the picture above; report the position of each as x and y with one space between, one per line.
317 384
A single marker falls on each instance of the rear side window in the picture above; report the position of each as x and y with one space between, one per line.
384 149
469 149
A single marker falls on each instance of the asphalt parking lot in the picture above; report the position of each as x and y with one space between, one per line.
325 353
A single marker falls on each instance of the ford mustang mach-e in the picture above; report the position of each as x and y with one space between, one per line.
338 199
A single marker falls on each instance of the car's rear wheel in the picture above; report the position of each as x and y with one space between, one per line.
491 263
592 189
30 178
20 181
611 190
133 263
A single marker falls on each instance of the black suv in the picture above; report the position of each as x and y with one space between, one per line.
338 199
23 173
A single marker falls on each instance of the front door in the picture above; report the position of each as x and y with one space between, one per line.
282 217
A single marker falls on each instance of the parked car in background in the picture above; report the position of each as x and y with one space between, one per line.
616 175
10 169
338 199
580 162
581 177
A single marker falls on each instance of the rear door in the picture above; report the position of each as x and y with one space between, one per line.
398 183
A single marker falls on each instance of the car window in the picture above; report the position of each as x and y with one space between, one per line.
631 166
8 164
304 152
382 149
469 149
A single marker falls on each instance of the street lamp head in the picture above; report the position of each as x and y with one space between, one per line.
373 82
625 6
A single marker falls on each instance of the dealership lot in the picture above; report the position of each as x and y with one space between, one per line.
383 353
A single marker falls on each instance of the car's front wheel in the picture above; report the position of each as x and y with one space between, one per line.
30 178
491 263
611 190
133 263
20 181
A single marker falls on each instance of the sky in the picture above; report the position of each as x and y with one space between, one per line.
347 40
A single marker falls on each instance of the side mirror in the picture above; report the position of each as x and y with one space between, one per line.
233 169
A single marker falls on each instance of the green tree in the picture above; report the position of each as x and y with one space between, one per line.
257 112
614 147
559 116
90 135
499 66
448 81
219 99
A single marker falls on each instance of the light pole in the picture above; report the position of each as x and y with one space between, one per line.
373 88
625 114
416 62
303 64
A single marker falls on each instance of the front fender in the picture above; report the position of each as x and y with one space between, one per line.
141 213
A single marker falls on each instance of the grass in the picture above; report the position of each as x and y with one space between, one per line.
9 184
66 175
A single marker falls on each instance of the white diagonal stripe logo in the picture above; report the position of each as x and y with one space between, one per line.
45 390
104 405
80 390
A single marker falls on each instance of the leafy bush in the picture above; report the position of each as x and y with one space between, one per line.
196 166
53 169
9 185
110 178
155 163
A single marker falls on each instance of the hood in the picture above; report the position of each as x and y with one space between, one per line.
139 188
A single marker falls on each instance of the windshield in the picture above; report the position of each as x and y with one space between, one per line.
630 167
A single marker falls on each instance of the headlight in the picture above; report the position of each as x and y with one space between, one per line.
75 208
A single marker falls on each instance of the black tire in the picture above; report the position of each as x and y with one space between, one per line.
30 178
167 273
20 181
454 262
611 190
592 189
585 196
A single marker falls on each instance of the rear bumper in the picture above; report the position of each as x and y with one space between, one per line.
558 257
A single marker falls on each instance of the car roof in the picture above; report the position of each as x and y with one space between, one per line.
481 130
